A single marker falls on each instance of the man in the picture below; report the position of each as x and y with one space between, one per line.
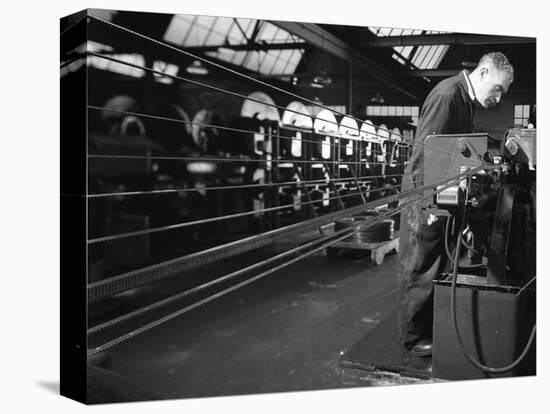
448 109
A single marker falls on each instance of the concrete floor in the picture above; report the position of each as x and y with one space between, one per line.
282 333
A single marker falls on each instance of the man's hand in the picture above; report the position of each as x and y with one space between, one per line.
431 219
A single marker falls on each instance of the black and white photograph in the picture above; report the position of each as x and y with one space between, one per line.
254 206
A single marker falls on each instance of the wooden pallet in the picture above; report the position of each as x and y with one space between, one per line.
377 250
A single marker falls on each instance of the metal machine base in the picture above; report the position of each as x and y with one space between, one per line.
494 322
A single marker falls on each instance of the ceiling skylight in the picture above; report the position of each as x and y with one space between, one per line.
417 57
199 31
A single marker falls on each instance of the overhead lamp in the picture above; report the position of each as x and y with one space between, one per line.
314 84
378 98
322 79
197 68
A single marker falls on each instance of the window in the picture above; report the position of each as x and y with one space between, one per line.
383 110
420 57
521 115
197 31
109 65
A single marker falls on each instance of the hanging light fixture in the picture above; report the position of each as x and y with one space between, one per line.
321 80
197 68
378 98
314 84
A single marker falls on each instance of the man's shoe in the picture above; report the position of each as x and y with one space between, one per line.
422 348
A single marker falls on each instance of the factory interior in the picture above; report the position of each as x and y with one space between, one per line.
243 198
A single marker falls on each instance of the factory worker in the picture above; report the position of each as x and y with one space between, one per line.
448 109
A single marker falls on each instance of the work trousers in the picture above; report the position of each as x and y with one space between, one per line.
421 259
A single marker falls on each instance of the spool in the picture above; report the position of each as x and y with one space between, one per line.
259 114
325 127
259 105
121 133
369 138
383 136
392 148
207 138
258 201
301 124
375 233
117 123
408 136
287 173
349 131
132 125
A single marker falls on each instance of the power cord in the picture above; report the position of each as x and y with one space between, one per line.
471 358
448 250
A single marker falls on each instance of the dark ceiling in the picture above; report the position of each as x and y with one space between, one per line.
336 48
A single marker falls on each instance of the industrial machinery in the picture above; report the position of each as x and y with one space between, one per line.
484 305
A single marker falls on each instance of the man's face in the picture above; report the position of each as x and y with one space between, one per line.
492 85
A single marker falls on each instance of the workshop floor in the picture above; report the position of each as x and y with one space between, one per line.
282 333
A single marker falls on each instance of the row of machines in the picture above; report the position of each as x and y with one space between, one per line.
152 166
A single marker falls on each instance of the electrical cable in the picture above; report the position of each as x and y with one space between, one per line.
173 315
225 128
306 183
471 358
241 160
219 218
106 288
232 129
72 25
448 250
372 222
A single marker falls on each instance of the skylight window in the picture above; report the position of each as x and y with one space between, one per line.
419 57
429 57
388 31
121 68
197 31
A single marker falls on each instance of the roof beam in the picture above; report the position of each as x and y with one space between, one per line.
324 40
250 46
446 39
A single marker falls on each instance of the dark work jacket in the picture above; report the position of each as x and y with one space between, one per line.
448 109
